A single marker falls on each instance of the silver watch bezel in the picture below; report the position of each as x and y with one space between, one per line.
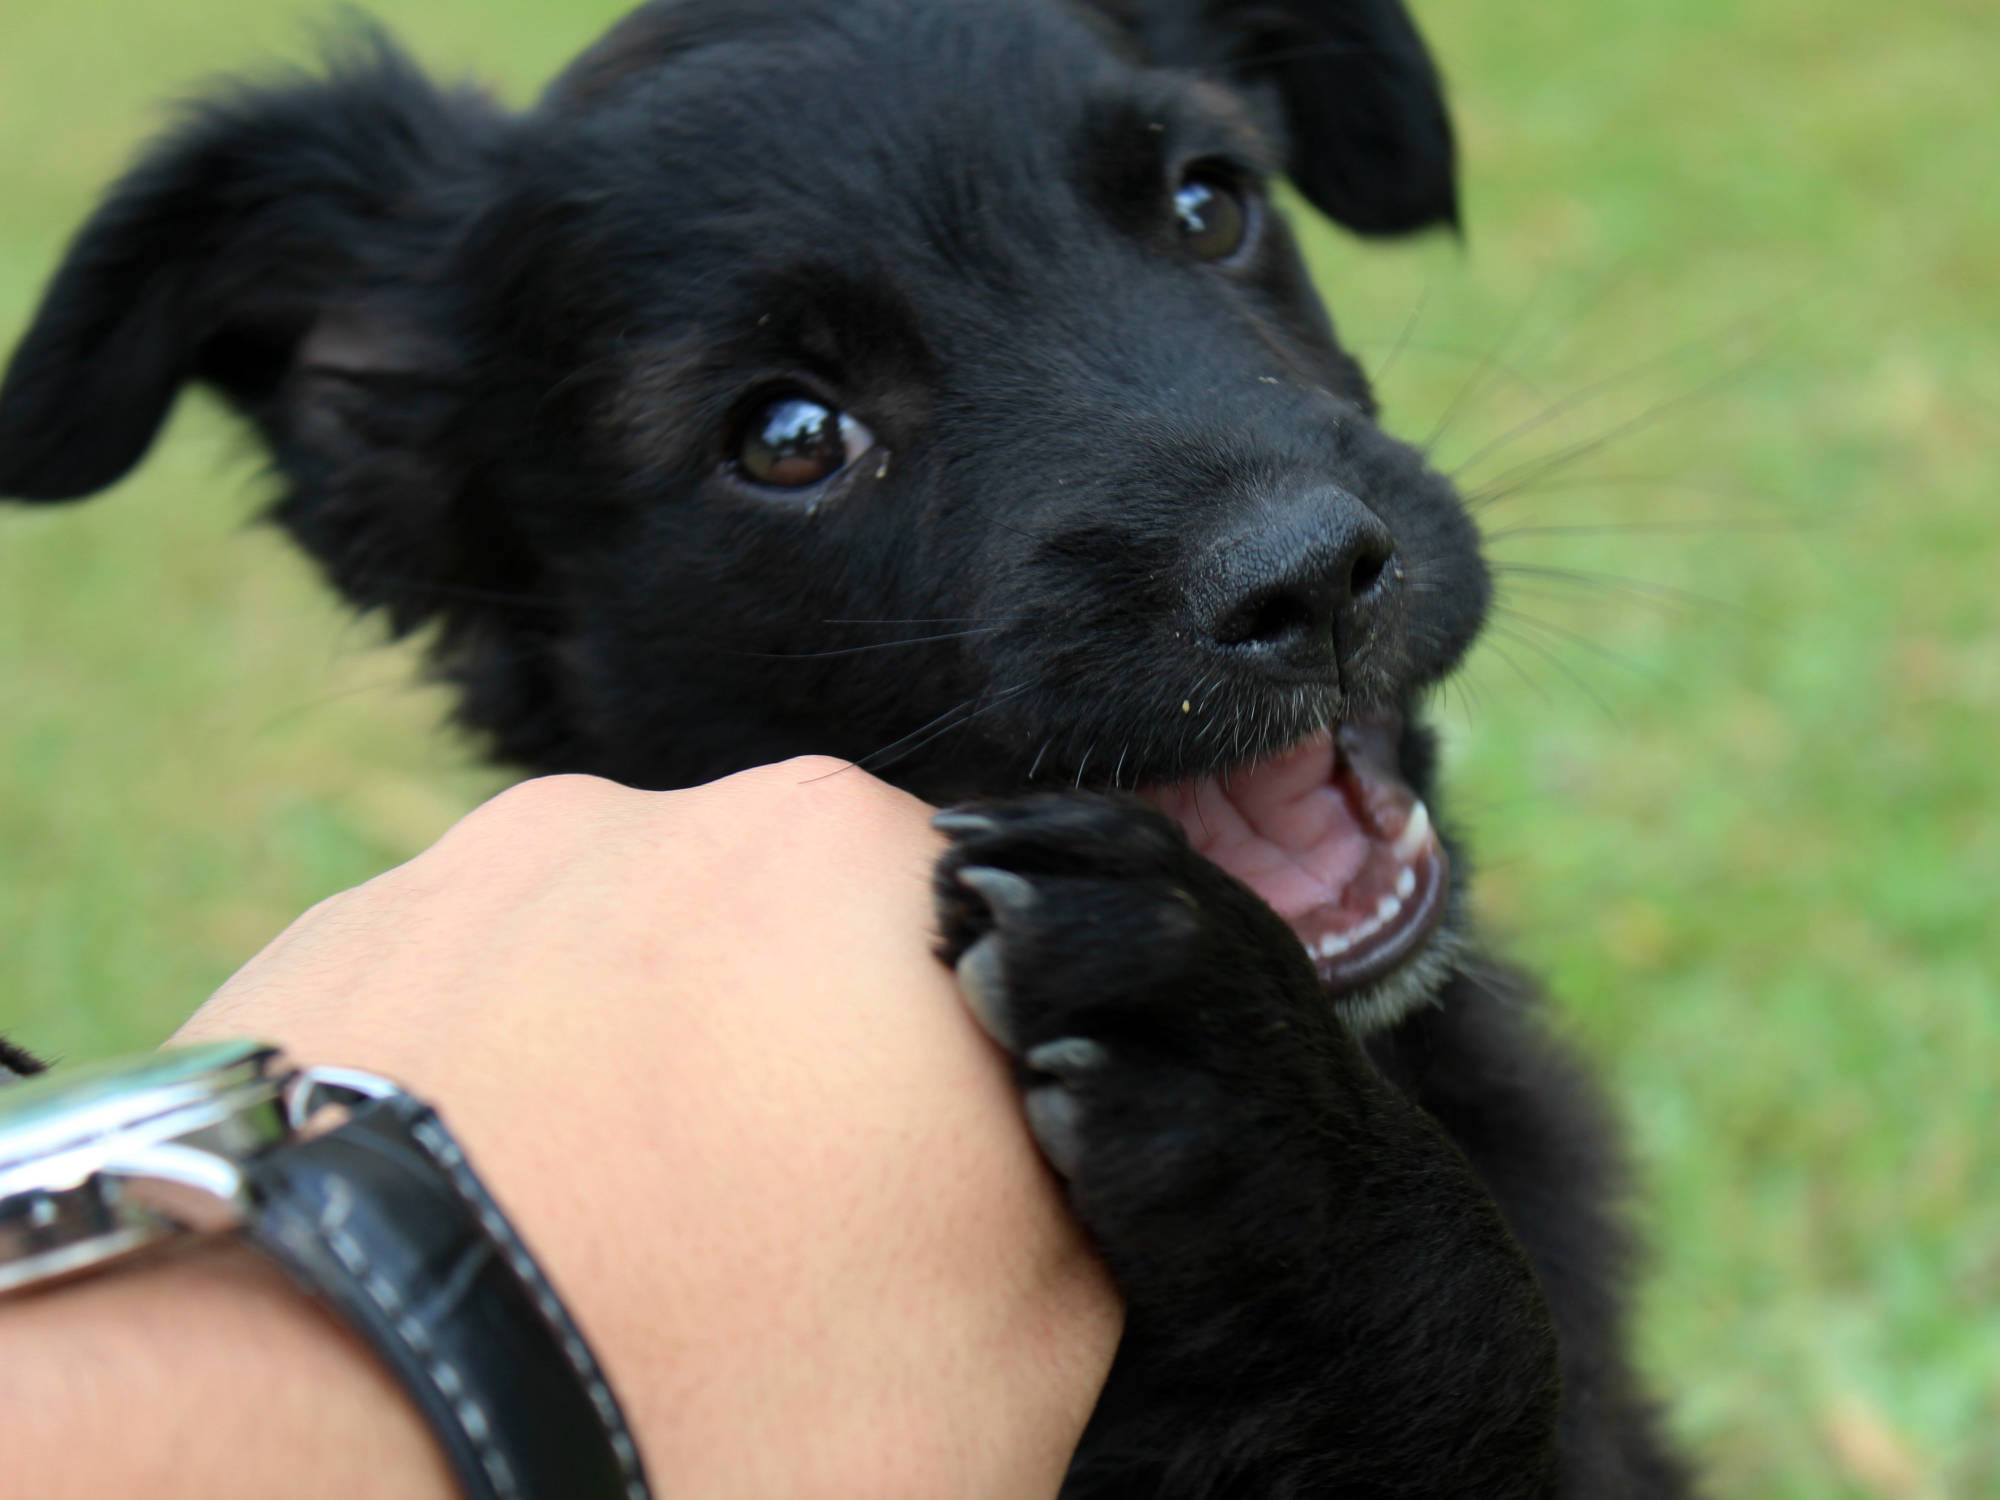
105 1160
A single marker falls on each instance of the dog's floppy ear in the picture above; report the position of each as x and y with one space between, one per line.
1369 134
274 218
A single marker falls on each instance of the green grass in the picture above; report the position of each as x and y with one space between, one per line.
1742 810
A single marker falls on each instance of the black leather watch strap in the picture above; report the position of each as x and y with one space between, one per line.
384 1219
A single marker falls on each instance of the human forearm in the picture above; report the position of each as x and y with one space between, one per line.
202 1377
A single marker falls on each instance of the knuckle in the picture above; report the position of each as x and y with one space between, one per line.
815 784
805 771
554 797
543 810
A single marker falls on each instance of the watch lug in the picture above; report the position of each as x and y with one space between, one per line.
194 1190
316 1099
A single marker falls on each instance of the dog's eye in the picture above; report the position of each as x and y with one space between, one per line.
793 441
1215 219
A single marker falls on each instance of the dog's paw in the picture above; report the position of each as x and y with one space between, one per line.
1143 993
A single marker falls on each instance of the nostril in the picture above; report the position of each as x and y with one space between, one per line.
1270 616
1369 566
1297 581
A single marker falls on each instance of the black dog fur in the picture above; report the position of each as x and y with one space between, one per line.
511 368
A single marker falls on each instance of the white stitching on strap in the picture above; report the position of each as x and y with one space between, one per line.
450 1384
445 1151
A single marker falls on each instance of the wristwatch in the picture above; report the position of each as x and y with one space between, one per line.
360 1193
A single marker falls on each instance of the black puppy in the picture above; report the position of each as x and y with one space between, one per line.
931 382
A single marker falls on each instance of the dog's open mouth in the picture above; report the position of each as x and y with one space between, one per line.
1334 839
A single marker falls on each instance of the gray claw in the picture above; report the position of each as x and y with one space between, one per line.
1056 1117
1067 1058
984 984
1008 894
963 822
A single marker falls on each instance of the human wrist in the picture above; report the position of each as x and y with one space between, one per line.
203 1375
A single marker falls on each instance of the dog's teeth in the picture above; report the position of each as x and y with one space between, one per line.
1416 834
1008 894
1406 883
1386 911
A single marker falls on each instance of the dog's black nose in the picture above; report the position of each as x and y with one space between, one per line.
1293 584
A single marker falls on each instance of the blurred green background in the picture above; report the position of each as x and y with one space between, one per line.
1720 365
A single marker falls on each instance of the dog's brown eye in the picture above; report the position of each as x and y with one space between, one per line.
795 441
1214 218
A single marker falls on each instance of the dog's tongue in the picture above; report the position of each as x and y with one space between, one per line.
1332 837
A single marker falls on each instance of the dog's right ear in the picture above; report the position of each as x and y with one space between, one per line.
273 220
1370 141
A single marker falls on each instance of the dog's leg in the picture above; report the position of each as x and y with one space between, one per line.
1529 1118
1322 1297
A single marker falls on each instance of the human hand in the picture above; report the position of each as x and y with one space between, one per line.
698 1047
